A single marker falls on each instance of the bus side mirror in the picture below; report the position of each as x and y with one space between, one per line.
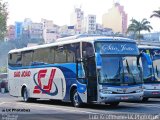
98 61
148 59
84 54
80 71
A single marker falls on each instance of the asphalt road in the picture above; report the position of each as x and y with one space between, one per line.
12 108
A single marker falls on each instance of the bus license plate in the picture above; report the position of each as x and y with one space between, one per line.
124 98
155 93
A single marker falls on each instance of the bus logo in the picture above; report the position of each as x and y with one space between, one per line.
46 88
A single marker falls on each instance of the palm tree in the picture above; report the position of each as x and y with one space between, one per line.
137 26
156 13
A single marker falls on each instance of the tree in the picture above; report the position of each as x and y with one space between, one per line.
3 19
156 13
137 26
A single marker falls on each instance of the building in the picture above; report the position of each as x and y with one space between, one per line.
76 19
49 31
103 31
66 30
152 36
27 22
89 24
116 19
36 31
18 30
11 32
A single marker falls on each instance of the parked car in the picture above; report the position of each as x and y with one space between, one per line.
3 82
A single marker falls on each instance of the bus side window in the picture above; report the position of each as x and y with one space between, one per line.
41 55
27 58
87 49
51 56
73 52
15 60
60 54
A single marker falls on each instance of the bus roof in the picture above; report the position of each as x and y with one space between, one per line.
148 47
73 39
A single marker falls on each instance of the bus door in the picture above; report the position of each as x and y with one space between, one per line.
90 71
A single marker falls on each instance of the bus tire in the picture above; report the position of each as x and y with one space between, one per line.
145 99
114 104
75 100
26 97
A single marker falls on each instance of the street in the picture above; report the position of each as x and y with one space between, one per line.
15 109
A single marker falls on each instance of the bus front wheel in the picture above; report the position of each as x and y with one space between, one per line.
25 95
145 99
75 99
113 104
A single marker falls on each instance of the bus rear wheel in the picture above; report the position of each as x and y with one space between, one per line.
26 96
145 99
75 99
113 104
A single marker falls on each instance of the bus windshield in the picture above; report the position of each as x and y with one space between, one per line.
147 71
156 65
120 70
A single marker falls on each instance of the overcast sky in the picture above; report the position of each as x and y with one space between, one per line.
59 10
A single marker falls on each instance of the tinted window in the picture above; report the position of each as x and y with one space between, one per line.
27 58
72 51
41 55
51 55
60 55
87 49
15 59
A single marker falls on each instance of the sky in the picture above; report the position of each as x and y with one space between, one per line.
60 10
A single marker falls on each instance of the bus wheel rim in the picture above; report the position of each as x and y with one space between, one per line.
25 95
75 98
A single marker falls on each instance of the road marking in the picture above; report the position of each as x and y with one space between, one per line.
56 108
2 103
144 105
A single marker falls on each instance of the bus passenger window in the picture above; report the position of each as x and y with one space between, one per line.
27 58
87 49
72 51
60 55
15 60
41 55
51 55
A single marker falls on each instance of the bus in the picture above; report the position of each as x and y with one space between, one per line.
151 71
78 69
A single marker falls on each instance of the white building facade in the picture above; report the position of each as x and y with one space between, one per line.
89 24
36 31
76 20
49 31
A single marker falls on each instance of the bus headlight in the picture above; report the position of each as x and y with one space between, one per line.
105 91
108 92
140 90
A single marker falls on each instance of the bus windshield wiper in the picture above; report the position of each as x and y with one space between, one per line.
118 74
129 71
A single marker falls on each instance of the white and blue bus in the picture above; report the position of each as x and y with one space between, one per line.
151 71
79 69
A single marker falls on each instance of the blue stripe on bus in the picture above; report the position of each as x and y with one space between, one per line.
68 65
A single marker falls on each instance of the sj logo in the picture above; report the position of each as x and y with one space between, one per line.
44 88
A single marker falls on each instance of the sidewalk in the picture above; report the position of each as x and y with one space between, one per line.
4 95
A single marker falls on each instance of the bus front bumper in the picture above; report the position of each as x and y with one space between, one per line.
152 93
121 97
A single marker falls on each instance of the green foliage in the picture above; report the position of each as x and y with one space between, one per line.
3 69
137 26
3 19
156 13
